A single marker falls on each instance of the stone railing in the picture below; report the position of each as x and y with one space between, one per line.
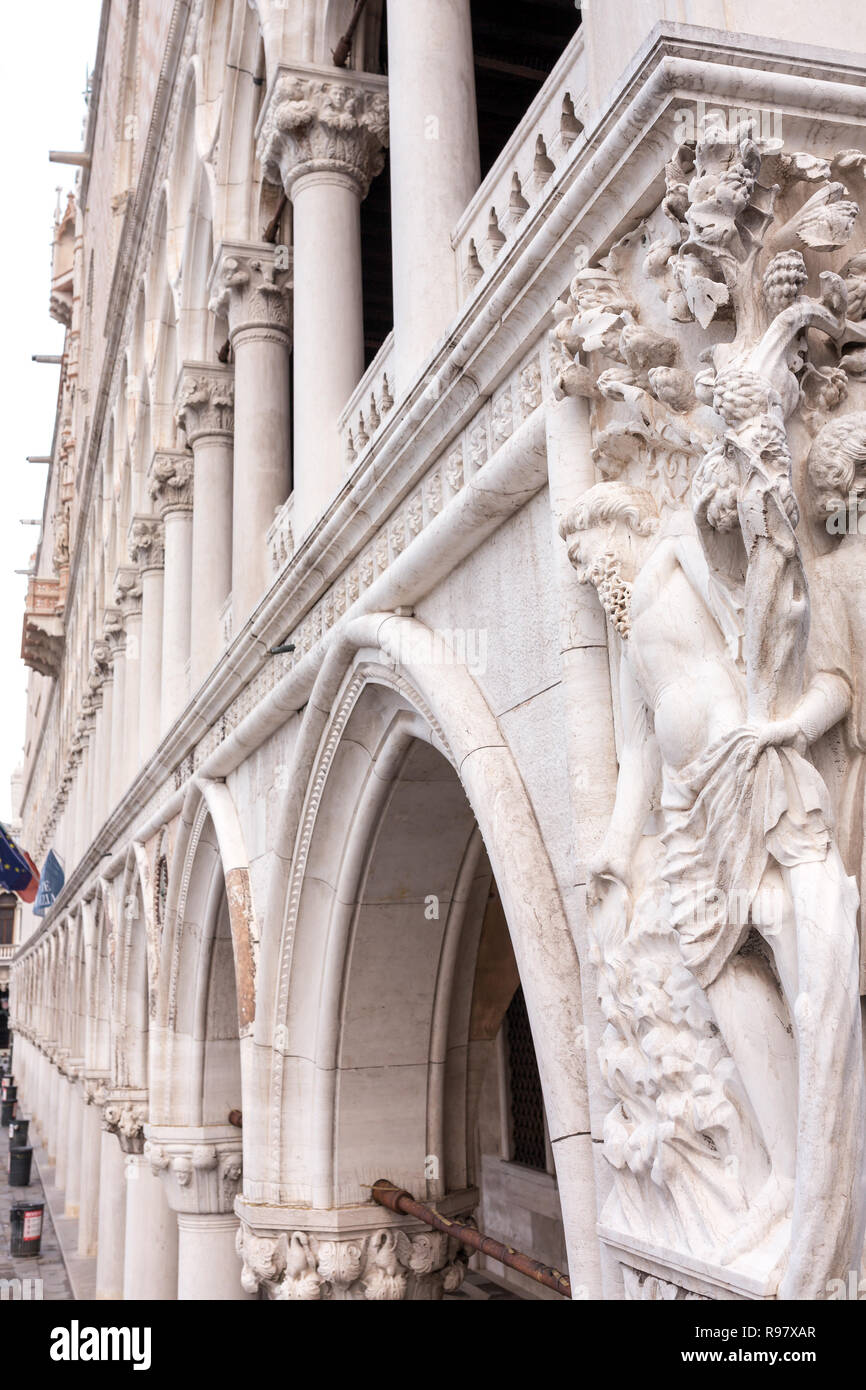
548 136
6 952
281 543
370 402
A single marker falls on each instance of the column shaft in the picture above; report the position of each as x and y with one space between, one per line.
75 1122
176 615
434 165
150 1256
329 333
112 1219
208 1265
91 1162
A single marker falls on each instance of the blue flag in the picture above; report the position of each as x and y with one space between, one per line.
50 884
16 874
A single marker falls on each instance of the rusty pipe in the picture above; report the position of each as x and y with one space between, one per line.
341 53
398 1200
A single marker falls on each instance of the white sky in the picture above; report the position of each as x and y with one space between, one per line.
44 59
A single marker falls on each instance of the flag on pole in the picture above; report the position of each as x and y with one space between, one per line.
50 884
18 873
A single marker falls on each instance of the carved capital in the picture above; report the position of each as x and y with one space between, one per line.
94 1090
126 1119
101 658
114 632
314 124
250 287
127 590
205 401
387 1264
147 543
200 1176
170 481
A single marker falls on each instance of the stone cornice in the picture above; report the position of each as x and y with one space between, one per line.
315 121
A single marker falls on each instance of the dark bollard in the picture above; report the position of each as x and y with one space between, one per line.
8 1110
25 1223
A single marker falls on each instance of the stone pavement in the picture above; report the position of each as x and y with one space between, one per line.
48 1265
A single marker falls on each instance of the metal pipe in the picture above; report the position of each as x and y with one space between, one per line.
398 1200
341 53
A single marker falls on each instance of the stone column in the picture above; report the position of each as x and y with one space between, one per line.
149 1260
201 1175
434 166
101 685
125 760
91 1165
205 412
72 1140
61 1140
251 291
170 484
150 1256
147 552
112 1218
323 139
115 636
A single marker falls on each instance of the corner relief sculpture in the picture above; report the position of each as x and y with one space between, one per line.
721 348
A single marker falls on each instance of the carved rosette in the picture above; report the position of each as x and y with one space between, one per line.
205 402
170 481
200 1177
250 288
147 543
126 1119
384 1265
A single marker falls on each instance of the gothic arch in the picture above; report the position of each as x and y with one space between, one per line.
394 666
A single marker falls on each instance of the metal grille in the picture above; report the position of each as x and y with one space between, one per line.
527 1105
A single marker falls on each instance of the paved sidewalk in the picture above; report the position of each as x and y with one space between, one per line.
48 1265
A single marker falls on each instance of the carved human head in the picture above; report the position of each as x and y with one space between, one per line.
836 469
611 524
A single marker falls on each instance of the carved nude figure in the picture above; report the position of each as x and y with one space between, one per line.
745 821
